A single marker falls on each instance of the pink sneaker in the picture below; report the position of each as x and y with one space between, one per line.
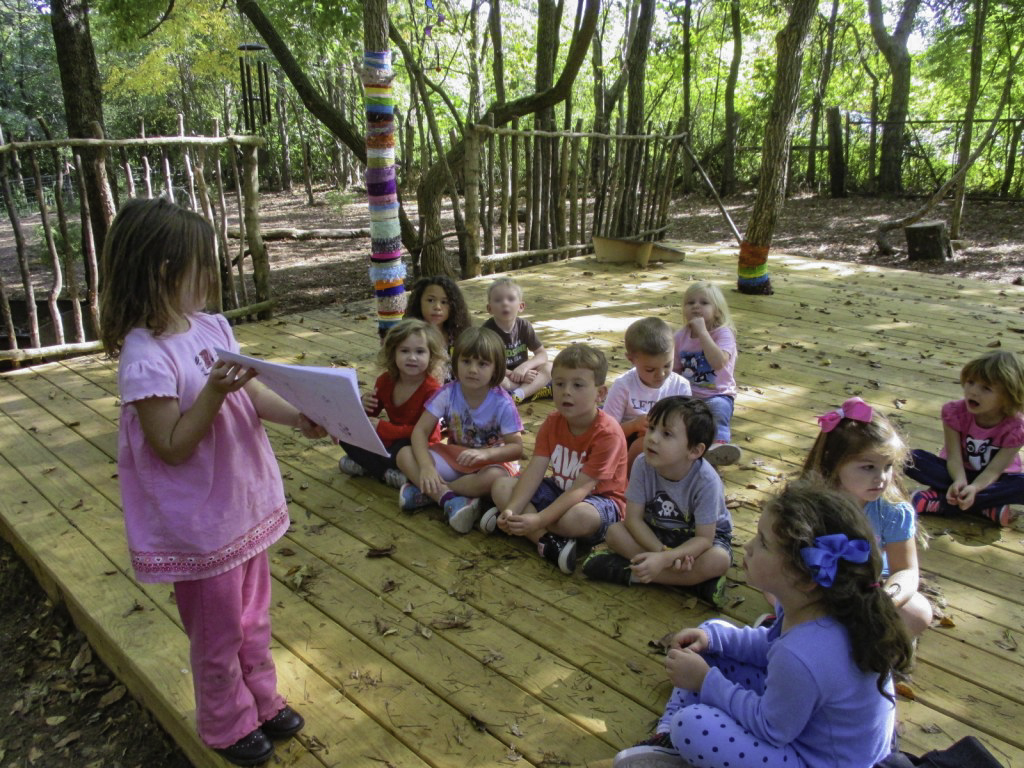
927 502
1002 516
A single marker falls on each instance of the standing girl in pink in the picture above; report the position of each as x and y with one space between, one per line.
201 490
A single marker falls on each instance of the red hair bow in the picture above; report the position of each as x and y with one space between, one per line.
854 408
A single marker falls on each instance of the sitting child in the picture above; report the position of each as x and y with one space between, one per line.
525 376
649 349
979 468
858 451
706 352
412 358
483 435
677 528
816 688
438 300
586 452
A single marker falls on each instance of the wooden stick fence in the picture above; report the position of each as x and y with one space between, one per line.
190 171
585 194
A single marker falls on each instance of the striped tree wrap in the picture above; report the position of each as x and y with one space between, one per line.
752 270
387 270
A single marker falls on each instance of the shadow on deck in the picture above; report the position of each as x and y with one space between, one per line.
469 650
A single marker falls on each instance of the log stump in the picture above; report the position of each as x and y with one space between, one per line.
928 241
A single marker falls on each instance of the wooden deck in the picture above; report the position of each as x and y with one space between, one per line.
466 651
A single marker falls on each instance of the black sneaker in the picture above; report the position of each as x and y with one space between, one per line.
711 591
285 723
253 749
655 752
608 566
559 551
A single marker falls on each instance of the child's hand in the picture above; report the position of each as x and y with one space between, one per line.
226 378
691 638
515 377
698 326
430 482
686 669
647 565
308 428
472 456
521 525
528 376
966 496
370 402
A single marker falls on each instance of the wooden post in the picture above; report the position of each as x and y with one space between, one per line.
836 153
251 195
928 241
471 172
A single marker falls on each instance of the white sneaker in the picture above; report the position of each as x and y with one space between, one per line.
350 467
489 521
394 478
723 454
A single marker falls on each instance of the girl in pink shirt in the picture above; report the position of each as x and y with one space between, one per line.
979 468
201 491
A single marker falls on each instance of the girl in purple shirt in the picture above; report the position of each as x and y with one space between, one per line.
201 491
815 688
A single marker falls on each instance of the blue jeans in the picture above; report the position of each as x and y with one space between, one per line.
721 407
931 470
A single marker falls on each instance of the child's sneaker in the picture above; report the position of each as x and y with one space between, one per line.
462 513
559 551
711 591
1001 516
489 521
722 454
608 566
410 498
350 467
927 502
655 752
542 393
394 478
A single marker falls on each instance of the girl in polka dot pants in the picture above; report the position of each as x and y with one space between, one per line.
815 688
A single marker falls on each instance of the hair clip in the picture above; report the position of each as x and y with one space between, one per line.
823 558
854 408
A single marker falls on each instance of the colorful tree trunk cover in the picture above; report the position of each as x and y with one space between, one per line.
387 271
752 271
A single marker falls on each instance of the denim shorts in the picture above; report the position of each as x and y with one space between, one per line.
607 509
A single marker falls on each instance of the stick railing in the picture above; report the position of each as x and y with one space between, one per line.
41 184
596 184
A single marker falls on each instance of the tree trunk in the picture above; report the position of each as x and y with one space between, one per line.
687 175
894 48
836 154
387 270
731 116
83 105
626 220
964 151
819 94
789 44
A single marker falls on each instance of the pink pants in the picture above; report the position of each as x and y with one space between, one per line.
227 619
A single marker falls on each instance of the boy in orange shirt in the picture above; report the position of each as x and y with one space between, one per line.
585 450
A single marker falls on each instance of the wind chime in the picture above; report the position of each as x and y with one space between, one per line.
255 89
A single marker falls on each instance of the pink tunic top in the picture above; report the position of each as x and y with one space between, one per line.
224 504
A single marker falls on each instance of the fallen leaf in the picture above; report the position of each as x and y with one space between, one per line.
56 719
996 343
73 736
931 728
286 552
115 694
906 691
136 606
389 585
947 622
1009 642
634 667
381 551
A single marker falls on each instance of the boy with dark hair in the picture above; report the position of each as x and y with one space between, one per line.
677 528
586 452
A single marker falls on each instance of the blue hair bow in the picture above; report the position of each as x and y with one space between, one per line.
823 558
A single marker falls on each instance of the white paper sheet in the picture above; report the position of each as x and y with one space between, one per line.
327 396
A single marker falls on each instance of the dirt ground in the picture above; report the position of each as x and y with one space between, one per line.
62 705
